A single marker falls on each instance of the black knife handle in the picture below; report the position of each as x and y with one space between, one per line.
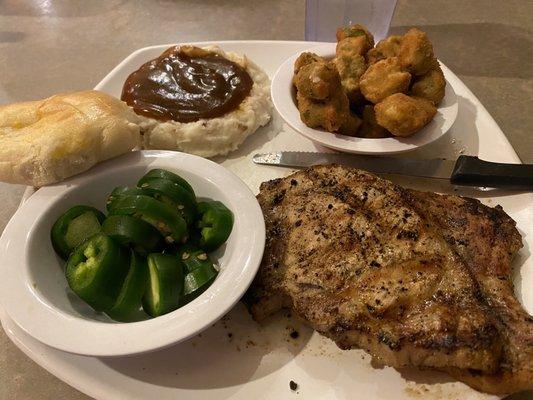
472 171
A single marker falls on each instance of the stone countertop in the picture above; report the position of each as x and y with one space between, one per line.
49 46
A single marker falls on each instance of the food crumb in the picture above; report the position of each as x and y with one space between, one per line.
230 335
293 385
295 334
417 390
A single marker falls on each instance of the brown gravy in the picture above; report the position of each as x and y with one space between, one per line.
186 84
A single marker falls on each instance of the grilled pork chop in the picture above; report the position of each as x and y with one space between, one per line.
414 278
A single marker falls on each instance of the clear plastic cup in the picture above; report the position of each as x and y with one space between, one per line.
323 17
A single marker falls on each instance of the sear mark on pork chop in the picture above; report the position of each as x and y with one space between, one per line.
414 278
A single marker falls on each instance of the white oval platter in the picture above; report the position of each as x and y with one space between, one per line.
236 358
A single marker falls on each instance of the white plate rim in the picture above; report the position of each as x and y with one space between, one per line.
282 99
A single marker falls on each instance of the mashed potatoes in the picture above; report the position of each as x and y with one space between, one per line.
214 136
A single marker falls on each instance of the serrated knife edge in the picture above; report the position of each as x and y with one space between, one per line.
429 168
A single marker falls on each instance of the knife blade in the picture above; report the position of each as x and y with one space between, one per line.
466 170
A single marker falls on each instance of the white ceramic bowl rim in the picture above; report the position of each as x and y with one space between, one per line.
29 309
283 99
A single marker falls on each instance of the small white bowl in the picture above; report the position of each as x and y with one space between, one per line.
284 99
33 288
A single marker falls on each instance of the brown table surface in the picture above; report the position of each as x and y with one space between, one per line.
49 46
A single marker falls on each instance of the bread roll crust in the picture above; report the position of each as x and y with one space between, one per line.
46 141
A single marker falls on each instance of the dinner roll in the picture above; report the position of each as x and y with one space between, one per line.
46 141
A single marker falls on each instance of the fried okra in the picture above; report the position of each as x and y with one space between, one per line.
416 52
317 80
354 31
352 46
306 58
330 114
384 78
430 86
389 47
370 128
403 115
400 77
350 127
351 64
350 71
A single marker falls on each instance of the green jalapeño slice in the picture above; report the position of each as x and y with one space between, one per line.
96 271
215 224
165 284
73 227
163 217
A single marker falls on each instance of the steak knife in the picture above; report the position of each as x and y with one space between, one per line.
466 170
